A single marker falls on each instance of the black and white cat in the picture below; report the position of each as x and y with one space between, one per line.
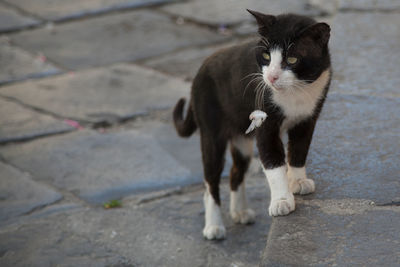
285 75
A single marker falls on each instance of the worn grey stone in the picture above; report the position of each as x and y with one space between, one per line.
369 5
325 6
232 12
62 238
19 123
112 164
17 64
185 63
19 194
355 150
114 38
11 20
98 167
315 236
364 48
170 226
61 10
104 94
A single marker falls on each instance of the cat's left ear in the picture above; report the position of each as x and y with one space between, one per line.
264 21
319 32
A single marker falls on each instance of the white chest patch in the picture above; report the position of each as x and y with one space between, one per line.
300 102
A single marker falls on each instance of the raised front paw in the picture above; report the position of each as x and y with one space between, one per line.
282 206
302 186
246 216
214 232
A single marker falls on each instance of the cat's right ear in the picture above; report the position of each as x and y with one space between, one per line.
264 21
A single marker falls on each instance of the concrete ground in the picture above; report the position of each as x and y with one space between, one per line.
86 92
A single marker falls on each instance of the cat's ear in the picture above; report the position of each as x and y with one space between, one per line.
319 32
264 21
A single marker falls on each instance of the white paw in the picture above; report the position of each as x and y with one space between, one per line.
302 186
246 216
282 206
214 232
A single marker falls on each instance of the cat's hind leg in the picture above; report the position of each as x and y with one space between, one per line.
242 151
213 152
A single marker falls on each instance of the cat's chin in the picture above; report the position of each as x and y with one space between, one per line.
277 88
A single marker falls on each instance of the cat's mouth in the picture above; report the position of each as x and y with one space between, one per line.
276 87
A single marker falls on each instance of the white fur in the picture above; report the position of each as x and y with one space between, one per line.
298 181
240 213
298 103
274 67
282 200
295 102
214 228
244 145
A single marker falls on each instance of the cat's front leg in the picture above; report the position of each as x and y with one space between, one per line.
272 155
299 142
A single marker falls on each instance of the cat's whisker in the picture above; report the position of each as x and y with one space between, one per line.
251 74
258 77
258 92
259 46
265 41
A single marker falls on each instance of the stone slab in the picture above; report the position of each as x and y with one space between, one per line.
17 64
369 5
185 63
363 59
104 94
356 150
62 239
223 13
111 165
10 20
61 10
163 232
98 167
19 123
335 233
19 194
113 38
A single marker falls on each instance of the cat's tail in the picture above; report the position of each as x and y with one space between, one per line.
184 127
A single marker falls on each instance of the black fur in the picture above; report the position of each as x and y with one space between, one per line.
223 96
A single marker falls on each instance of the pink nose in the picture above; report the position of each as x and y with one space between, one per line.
273 78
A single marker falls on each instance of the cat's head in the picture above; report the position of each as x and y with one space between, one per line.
293 50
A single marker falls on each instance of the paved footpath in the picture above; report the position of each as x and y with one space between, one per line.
86 93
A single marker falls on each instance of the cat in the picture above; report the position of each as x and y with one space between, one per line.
285 74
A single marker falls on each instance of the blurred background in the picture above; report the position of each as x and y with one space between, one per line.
86 93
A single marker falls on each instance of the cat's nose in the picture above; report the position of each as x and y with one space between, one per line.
273 78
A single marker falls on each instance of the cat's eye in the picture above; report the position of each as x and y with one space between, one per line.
291 60
266 56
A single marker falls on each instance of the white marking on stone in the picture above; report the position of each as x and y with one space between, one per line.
240 213
298 181
282 200
214 227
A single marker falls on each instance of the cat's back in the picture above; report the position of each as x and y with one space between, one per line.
229 59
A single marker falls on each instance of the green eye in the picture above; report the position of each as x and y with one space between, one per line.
291 60
266 56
